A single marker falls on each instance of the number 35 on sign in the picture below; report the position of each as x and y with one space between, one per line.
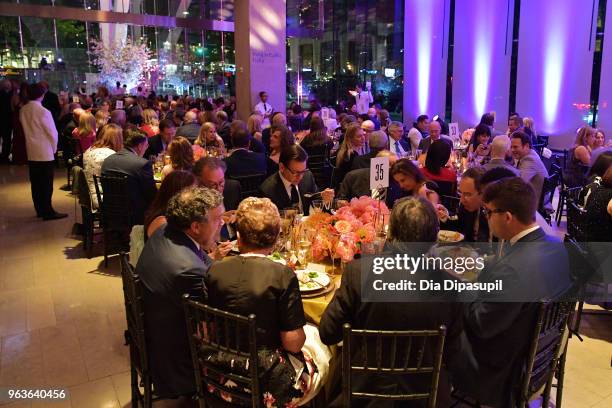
379 173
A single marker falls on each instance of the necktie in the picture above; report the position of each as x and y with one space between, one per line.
295 198
397 147
201 254
265 108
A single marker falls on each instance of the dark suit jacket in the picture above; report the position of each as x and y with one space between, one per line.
51 103
498 328
224 133
245 163
142 188
274 189
465 224
156 146
189 131
231 194
169 267
357 183
424 312
426 142
265 138
256 146
363 161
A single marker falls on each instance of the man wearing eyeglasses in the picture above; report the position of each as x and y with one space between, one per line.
499 326
288 187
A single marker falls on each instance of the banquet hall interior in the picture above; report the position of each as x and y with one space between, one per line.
213 202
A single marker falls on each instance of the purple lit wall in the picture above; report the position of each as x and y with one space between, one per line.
604 117
555 65
481 60
425 56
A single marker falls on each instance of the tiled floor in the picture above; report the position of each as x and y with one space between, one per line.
62 317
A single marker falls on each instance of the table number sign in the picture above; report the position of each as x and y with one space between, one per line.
119 105
379 173
75 99
453 130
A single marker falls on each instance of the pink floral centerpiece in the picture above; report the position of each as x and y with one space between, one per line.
342 235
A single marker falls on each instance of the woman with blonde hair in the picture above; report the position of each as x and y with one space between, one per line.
254 126
580 157
351 146
101 120
150 122
109 142
181 156
207 138
85 133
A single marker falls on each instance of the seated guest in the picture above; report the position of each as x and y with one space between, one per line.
181 156
119 118
159 143
529 164
254 126
378 142
409 178
280 138
210 172
110 142
101 117
470 219
208 138
277 119
241 161
287 187
252 283
155 217
357 183
413 220
129 161
580 157
190 128
418 132
399 145
255 145
85 133
500 146
368 127
352 144
316 140
479 149
515 122
435 133
498 325
174 262
150 122
597 221
296 121
223 127
436 168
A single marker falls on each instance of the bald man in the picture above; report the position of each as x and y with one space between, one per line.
435 133
190 128
499 151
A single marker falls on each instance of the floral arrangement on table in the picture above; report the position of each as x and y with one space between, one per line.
343 234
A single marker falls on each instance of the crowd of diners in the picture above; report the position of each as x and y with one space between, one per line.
194 209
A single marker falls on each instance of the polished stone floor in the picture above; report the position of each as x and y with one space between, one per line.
62 317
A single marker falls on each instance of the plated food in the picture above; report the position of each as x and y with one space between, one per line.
311 281
450 236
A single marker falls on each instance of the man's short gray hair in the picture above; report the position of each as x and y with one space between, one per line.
192 205
395 125
413 219
379 140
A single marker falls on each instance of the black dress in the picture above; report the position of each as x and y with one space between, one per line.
256 285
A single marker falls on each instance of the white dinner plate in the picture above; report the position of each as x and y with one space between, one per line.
311 281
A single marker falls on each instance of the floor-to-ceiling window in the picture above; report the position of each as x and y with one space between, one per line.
334 44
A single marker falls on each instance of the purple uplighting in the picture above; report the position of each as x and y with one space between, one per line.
555 64
482 51
425 57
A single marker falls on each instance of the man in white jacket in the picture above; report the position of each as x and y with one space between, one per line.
41 144
363 99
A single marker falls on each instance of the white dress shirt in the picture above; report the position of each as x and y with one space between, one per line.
523 233
264 109
39 130
396 147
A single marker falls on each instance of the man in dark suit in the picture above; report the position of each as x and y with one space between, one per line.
190 128
398 143
6 131
287 187
174 262
241 161
129 161
413 220
159 143
378 141
434 134
498 326
223 129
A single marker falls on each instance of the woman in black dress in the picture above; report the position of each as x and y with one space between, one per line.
253 283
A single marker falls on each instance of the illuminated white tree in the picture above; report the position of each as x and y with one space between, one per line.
124 61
